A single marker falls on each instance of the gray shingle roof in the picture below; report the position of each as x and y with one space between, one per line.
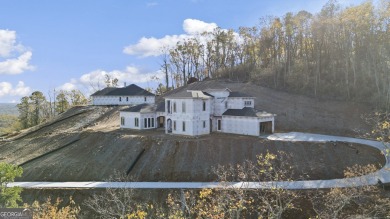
143 108
246 111
238 94
146 108
131 90
190 94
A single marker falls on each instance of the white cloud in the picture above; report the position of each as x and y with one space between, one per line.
14 57
154 46
17 65
193 26
7 89
95 80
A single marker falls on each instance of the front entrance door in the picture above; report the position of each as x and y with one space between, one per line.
160 121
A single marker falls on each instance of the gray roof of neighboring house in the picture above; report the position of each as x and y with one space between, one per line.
239 94
146 108
190 94
246 111
131 90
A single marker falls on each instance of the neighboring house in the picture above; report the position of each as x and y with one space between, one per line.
199 112
129 95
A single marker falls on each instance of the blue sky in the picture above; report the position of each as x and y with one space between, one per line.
64 44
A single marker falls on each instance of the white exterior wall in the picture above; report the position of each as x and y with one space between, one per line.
241 125
219 102
114 100
193 116
244 125
239 102
130 120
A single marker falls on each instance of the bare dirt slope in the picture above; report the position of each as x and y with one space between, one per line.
85 143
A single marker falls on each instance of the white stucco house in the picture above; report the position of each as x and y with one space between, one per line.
128 95
199 111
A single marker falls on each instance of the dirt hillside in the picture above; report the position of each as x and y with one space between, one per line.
85 143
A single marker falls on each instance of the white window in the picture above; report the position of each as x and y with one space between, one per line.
183 106
120 99
152 122
226 105
122 120
174 107
136 122
174 125
219 125
127 99
184 126
169 106
204 124
145 99
204 105
248 103
145 123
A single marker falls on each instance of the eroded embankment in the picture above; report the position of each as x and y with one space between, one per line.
97 155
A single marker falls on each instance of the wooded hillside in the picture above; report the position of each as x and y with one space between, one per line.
338 53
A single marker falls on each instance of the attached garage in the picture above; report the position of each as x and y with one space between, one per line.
247 121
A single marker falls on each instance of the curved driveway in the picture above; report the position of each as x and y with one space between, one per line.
371 179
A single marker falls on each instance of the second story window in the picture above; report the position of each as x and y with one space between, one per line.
226 105
183 107
204 105
174 107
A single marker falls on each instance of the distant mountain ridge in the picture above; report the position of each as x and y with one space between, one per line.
9 109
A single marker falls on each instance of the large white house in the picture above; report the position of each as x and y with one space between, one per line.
128 95
200 111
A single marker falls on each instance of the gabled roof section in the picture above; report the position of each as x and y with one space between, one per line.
239 94
131 90
247 112
190 94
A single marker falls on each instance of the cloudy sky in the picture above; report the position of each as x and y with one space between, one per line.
68 44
